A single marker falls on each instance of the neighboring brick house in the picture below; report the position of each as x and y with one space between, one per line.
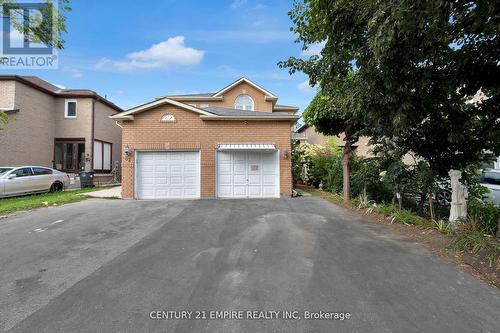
309 134
235 143
67 129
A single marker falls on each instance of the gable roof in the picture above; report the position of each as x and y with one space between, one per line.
208 113
244 79
285 107
129 114
48 88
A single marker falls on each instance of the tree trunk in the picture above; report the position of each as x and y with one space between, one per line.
346 170
431 206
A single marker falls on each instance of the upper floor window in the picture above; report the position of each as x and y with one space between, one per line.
243 102
70 108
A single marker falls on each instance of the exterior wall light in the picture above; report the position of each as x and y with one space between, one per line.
126 150
285 153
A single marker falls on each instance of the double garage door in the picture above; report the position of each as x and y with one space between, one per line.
175 175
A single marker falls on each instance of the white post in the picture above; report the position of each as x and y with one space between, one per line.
458 209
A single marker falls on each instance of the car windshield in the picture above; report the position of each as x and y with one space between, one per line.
4 170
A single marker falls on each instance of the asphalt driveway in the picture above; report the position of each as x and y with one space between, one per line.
105 265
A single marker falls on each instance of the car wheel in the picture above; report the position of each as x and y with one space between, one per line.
444 198
56 187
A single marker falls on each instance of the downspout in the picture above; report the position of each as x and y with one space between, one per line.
92 137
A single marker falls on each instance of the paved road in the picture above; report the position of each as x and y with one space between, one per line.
110 263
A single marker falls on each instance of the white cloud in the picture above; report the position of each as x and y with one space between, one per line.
238 3
74 72
305 87
60 86
163 55
314 49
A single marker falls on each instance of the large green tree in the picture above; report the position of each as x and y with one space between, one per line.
421 65
332 112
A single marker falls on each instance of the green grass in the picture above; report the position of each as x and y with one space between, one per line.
474 242
10 205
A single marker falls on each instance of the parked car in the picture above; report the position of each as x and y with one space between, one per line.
491 180
31 179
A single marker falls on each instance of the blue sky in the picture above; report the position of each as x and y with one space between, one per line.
133 51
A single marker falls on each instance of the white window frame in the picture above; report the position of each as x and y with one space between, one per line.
66 102
253 103
99 160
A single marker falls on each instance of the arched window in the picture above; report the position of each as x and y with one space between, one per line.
167 118
243 102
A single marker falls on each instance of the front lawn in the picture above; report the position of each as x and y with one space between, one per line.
9 205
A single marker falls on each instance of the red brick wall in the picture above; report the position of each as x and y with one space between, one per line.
190 132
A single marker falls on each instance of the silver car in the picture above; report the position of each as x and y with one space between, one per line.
491 180
31 179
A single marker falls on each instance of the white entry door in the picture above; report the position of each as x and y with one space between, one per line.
248 174
165 175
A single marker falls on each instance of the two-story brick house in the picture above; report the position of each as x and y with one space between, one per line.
67 129
234 143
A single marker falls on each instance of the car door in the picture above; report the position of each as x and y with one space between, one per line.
22 182
491 180
43 178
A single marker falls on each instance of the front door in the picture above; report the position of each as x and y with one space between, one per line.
69 156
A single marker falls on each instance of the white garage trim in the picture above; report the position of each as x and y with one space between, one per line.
247 173
247 146
174 192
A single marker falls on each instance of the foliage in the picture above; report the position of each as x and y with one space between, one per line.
418 65
296 161
476 241
485 215
46 26
331 110
4 118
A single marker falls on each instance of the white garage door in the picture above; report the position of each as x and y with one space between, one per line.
248 174
163 175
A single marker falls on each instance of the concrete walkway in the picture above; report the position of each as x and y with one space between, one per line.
114 192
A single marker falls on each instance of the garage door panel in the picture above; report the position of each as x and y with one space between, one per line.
269 191
240 191
239 167
225 180
254 179
239 180
268 180
225 168
225 191
254 191
162 175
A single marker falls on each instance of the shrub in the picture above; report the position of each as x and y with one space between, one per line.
484 215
